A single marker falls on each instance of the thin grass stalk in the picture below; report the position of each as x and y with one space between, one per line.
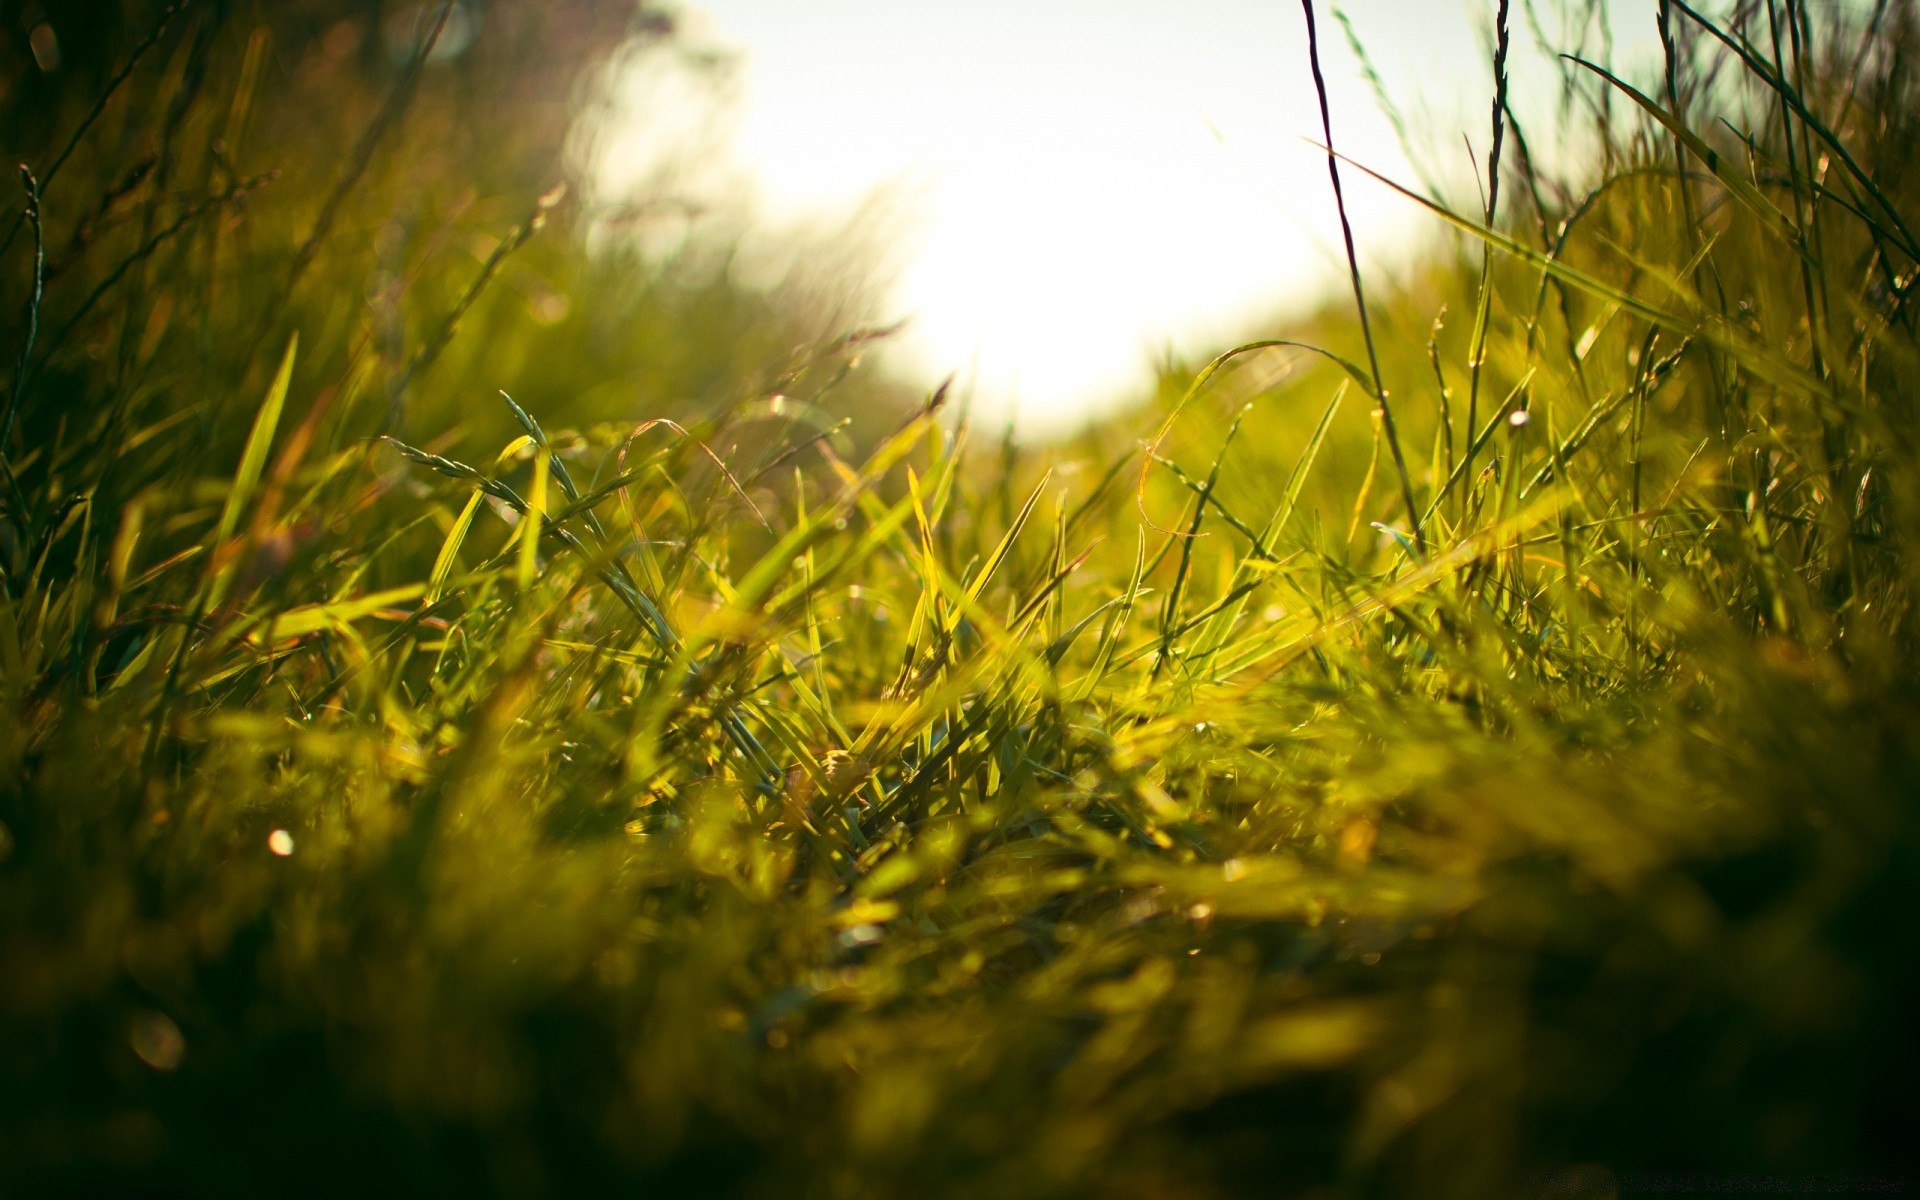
389 115
32 217
1383 99
180 106
1353 272
1795 180
1801 176
1476 356
1907 242
1443 393
1170 615
99 106
519 236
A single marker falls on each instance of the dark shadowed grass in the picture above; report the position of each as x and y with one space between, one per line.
551 799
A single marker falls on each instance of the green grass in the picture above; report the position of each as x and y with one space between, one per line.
1250 798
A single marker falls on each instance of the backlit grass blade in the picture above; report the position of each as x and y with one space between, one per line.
1771 218
253 460
526 564
1761 362
1220 625
313 618
450 548
1005 544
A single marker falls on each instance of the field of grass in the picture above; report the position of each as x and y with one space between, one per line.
1480 761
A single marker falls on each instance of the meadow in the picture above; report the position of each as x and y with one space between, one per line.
484 711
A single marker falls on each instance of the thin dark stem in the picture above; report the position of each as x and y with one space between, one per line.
32 217
99 106
1704 270
1476 357
1440 382
1802 217
1353 271
518 237
389 114
145 251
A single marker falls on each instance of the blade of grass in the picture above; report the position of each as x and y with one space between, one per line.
253 460
1353 273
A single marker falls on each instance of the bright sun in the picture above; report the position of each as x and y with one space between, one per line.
1078 186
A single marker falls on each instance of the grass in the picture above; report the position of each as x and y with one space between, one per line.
410 789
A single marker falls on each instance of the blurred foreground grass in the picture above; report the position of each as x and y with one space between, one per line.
1484 758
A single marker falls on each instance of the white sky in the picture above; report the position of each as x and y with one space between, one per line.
1076 184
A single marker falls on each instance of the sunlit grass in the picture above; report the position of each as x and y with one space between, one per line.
407 786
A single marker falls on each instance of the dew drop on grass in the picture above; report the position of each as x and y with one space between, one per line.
280 842
1518 417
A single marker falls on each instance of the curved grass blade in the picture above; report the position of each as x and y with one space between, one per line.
253 460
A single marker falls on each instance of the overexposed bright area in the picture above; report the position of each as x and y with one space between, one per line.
1070 188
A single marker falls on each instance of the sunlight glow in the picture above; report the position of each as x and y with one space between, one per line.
1078 187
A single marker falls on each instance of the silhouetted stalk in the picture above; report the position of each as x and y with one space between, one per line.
1353 271
32 217
1801 214
99 106
1476 357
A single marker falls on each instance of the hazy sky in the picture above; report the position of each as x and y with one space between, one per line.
1077 183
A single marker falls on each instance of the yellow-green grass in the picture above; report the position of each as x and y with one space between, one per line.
407 789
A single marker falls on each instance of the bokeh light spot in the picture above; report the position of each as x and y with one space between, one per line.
157 1040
